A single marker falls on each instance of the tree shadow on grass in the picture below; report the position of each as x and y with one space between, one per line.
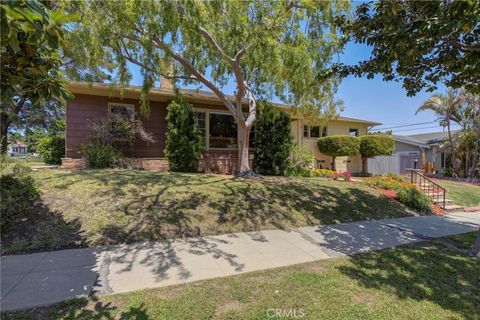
426 272
82 309
41 229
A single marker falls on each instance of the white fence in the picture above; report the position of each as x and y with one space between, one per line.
396 163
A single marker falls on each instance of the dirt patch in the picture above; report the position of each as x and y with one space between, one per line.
228 306
366 298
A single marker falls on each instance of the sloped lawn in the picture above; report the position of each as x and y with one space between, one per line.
421 281
98 207
463 194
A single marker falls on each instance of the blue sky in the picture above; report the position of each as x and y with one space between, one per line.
371 99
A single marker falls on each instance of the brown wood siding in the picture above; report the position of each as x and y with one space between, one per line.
84 109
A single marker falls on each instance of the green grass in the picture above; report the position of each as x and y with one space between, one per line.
464 194
98 207
422 281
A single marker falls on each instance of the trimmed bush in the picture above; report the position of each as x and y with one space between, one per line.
273 140
18 192
414 198
375 145
301 162
339 146
51 149
100 156
184 143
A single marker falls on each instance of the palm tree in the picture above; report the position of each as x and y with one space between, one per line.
447 110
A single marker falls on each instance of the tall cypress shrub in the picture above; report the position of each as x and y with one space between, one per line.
184 141
273 140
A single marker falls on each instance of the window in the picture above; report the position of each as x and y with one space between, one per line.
119 115
324 131
200 117
222 131
353 132
123 111
315 132
305 131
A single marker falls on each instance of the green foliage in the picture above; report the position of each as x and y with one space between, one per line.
376 145
339 146
51 149
301 162
420 42
18 192
184 143
100 156
31 41
268 38
414 198
273 140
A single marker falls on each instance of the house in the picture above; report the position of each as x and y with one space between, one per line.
17 148
427 148
96 101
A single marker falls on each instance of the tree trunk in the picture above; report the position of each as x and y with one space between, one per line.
453 158
4 124
364 166
243 166
475 250
333 164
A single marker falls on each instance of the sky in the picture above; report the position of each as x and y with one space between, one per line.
371 99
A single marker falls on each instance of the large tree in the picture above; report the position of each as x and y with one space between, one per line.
31 39
421 43
266 47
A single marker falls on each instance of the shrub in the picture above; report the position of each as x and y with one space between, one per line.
324 173
18 192
103 147
412 197
338 146
99 156
301 162
184 143
51 149
273 140
375 145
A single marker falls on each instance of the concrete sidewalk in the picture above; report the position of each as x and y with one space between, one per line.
44 278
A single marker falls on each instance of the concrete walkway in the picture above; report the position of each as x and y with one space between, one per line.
44 278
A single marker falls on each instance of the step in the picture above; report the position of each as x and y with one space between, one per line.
447 201
453 208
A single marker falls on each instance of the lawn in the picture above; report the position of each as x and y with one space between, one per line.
98 207
464 194
421 281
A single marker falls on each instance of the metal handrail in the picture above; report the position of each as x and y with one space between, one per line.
426 187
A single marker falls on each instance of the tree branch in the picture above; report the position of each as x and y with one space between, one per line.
214 44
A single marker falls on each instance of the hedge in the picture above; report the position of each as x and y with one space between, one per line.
339 146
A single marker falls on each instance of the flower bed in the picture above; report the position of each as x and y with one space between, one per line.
405 192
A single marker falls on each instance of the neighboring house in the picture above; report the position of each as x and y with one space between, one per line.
419 151
97 101
428 147
17 148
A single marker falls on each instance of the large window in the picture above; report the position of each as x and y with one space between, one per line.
222 131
